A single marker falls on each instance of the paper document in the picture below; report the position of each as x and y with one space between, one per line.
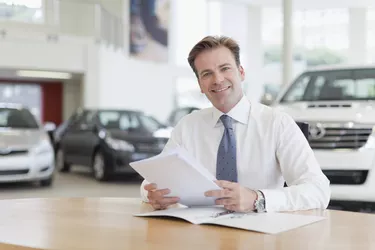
270 223
181 173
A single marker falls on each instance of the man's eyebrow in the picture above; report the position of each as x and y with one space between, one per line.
224 64
220 66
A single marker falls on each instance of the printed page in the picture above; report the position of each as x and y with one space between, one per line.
195 215
270 223
175 171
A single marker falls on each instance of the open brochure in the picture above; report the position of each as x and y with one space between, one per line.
270 223
181 173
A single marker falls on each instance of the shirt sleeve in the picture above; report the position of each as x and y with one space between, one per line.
308 187
173 142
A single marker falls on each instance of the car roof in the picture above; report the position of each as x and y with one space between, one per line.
339 67
12 106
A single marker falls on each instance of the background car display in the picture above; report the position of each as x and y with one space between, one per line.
26 152
107 140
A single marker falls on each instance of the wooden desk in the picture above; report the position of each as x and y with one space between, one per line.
107 223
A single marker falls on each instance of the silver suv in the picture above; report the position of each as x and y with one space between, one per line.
26 153
339 105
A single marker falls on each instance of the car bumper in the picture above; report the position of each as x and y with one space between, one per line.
26 167
351 174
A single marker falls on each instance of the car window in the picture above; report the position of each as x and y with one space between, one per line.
150 123
86 119
17 118
297 90
118 120
334 86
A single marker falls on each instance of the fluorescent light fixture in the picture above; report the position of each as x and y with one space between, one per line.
44 74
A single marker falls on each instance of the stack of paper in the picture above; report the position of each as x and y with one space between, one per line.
179 172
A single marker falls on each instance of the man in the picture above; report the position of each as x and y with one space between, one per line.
251 148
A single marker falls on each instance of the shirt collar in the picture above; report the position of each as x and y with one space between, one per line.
239 113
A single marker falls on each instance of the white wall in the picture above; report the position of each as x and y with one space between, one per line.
28 54
131 84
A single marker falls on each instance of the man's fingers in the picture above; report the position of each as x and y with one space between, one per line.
225 202
224 193
157 194
150 187
226 184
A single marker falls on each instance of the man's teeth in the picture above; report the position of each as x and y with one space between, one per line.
219 90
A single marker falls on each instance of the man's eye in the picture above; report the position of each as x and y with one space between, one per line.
206 74
225 68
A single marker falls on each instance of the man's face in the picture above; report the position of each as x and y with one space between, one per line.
220 78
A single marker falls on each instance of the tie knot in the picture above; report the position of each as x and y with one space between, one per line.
227 121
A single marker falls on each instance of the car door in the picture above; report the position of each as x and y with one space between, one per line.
79 139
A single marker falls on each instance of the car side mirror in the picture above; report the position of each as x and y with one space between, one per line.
267 99
49 126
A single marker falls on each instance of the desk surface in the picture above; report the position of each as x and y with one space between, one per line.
107 223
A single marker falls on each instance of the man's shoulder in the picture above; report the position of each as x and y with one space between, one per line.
266 113
196 116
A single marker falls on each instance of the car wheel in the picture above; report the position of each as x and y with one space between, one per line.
61 164
99 168
47 182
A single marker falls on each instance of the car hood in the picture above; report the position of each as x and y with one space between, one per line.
357 112
20 138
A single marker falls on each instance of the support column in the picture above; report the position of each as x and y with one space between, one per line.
287 41
254 83
357 36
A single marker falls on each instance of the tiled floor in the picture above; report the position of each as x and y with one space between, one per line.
78 183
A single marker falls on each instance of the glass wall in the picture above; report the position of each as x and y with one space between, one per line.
30 11
320 37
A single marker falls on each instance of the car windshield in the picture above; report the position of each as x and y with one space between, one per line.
17 118
343 85
150 123
123 120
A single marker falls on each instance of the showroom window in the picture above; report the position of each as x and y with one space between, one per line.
28 95
30 11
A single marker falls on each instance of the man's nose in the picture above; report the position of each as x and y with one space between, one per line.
218 78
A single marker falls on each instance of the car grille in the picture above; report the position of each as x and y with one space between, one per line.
6 152
338 137
14 172
346 177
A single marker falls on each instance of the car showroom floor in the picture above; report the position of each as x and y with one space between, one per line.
78 183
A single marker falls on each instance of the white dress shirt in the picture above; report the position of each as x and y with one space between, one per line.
271 149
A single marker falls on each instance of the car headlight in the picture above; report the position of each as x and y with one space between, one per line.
119 144
370 144
43 146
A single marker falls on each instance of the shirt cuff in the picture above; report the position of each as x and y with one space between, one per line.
275 199
144 192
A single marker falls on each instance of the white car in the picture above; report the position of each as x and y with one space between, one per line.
339 105
26 153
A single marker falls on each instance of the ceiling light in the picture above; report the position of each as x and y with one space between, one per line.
44 74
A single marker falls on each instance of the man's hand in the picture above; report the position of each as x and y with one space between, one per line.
156 197
233 196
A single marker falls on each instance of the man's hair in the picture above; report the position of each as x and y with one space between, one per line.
213 42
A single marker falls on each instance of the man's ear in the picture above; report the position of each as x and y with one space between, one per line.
242 73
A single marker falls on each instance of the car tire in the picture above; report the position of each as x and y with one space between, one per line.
61 165
47 182
100 170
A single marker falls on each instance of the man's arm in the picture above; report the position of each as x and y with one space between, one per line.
308 187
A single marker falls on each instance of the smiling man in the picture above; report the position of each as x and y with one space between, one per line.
251 148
